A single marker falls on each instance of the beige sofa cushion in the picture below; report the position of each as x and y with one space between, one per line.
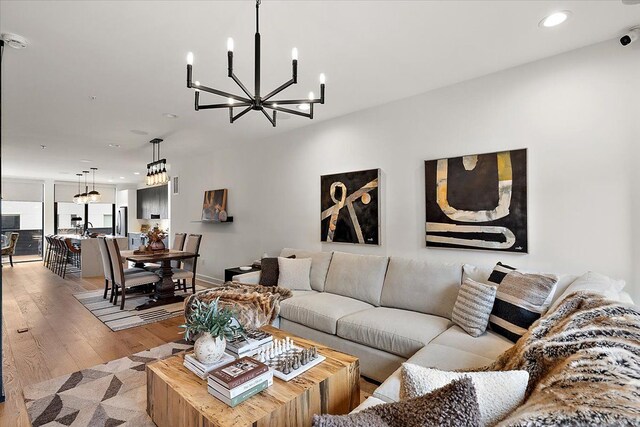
427 287
452 350
357 276
319 265
320 310
399 332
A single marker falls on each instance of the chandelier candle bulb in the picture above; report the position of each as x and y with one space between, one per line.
323 79
294 54
230 44
311 96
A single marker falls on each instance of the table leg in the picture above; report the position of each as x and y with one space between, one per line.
164 289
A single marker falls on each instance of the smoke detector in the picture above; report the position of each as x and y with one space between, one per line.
14 40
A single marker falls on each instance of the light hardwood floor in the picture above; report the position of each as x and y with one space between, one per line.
63 336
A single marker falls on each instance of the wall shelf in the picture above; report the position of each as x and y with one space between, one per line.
212 221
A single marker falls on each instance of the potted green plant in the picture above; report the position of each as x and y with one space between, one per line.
213 325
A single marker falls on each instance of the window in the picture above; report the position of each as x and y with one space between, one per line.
24 218
101 218
69 218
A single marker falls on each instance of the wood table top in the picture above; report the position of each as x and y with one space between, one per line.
333 375
161 256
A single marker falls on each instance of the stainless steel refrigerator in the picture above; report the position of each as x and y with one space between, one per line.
121 222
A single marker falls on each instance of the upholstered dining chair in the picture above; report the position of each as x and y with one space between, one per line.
10 249
188 270
108 268
121 280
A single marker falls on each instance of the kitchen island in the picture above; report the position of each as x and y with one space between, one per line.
91 258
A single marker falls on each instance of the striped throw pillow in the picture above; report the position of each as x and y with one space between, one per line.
473 306
521 299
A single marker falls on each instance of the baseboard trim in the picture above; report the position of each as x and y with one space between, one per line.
209 279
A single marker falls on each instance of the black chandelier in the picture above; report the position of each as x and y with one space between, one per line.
256 101
157 169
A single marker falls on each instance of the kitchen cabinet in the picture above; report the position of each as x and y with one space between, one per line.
153 203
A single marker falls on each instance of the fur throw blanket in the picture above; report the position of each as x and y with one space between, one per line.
583 360
254 305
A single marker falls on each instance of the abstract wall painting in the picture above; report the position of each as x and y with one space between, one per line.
478 202
214 207
350 207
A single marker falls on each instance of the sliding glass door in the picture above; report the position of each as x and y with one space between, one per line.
26 219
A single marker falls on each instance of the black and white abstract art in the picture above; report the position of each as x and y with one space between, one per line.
478 202
350 207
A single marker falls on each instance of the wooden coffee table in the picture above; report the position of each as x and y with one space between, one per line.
177 397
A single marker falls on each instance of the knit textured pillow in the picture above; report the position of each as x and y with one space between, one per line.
269 271
455 404
521 299
473 306
498 393
294 273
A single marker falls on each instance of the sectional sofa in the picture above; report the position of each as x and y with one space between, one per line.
387 311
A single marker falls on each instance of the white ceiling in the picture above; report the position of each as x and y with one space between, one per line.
131 57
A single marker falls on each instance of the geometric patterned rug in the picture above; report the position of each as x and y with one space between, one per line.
107 395
117 319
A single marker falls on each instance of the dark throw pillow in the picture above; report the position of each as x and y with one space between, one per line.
521 299
455 404
269 271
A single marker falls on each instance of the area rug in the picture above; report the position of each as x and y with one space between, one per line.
117 319
107 395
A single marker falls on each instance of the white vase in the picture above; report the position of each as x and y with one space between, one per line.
208 349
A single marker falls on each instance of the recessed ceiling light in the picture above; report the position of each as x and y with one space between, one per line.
170 115
85 161
110 180
93 97
114 145
136 173
43 147
139 132
122 177
556 18
303 107
14 40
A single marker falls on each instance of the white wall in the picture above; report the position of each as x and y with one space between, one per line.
574 113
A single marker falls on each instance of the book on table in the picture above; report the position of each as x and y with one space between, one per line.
202 370
239 380
253 339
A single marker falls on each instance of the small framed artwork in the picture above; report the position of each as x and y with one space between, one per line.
350 207
214 207
478 202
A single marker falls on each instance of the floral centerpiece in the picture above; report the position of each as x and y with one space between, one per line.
155 236
213 325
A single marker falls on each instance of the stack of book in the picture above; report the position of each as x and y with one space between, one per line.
202 370
239 380
249 345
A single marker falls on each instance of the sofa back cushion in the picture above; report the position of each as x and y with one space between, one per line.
425 287
357 276
319 265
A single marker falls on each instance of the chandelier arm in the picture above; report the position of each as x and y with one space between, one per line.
214 106
296 101
224 94
272 121
242 86
287 110
240 114
278 90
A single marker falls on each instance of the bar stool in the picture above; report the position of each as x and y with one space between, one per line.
72 256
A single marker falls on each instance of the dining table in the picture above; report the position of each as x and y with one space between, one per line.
165 289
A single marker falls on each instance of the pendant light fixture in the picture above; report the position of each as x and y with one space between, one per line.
76 198
84 197
256 101
93 195
157 169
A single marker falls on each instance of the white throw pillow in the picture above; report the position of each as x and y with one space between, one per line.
595 282
294 273
499 393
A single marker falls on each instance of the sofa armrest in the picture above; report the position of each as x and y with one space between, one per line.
252 278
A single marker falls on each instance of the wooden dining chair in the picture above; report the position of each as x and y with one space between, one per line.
178 244
188 270
120 279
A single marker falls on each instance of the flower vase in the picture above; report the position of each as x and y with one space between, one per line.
157 245
208 349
